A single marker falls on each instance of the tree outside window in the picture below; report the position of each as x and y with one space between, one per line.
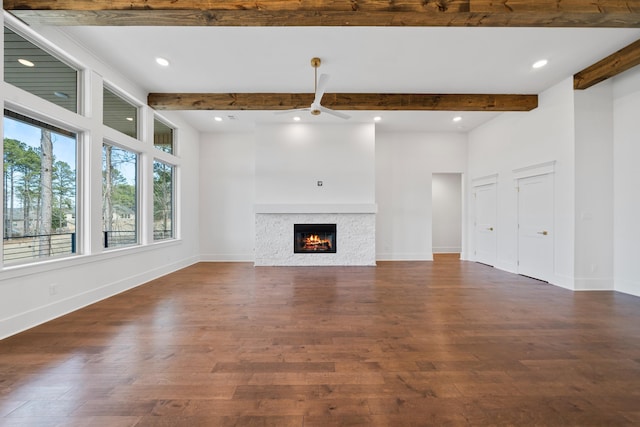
119 197
39 181
163 212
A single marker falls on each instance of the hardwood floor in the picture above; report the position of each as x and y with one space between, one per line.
401 344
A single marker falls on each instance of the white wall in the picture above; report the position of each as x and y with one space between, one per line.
405 164
446 189
278 164
227 196
25 299
594 187
291 159
593 137
517 140
403 168
626 106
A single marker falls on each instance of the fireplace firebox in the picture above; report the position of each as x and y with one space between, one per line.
314 238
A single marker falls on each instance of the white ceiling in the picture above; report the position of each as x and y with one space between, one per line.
358 59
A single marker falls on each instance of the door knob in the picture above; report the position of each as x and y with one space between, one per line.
544 233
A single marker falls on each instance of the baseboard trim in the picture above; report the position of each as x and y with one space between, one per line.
404 257
630 287
593 284
227 258
447 250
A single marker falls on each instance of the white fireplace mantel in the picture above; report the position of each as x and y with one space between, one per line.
302 208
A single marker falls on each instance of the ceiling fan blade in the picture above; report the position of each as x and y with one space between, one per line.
296 110
334 113
322 86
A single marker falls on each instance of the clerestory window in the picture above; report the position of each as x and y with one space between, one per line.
163 136
36 71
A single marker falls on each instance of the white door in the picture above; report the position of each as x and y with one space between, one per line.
485 197
535 226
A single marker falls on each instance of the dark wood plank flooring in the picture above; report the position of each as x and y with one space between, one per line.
401 344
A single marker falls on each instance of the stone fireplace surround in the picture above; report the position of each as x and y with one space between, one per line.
356 229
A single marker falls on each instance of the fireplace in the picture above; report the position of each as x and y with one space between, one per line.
275 232
314 238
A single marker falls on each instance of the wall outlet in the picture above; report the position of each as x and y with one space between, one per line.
53 289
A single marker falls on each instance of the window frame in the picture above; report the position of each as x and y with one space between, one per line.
80 231
91 134
174 173
174 131
53 50
138 197
139 119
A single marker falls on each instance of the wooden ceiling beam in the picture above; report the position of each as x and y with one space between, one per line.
614 64
478 13
343 101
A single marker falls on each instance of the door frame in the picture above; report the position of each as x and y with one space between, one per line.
545 168
475 184
462 210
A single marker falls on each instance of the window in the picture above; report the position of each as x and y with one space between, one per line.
162 201
39 200
38 72
119 114
162 136
119 197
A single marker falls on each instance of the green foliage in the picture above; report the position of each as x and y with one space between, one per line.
22 176
58 219
124 196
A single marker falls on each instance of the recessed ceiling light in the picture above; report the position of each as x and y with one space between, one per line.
26 62
61 95
296 119
539 64
162 61
217 118
377 118
457 118
129 119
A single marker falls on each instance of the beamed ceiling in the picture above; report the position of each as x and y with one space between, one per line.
401 58
464 13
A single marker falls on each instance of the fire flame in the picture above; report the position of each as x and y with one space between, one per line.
315 242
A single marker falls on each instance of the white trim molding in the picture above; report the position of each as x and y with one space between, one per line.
316 208
485 180
534 170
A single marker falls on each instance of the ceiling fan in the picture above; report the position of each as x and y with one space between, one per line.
320 86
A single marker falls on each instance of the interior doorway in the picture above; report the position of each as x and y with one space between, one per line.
446 202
